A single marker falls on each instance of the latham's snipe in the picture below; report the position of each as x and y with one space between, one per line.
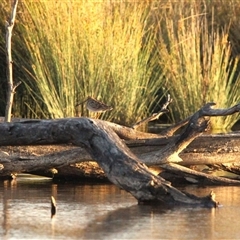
94 105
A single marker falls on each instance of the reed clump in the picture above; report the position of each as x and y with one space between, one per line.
125 54
83 48
197 59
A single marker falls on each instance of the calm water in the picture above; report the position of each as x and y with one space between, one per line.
105 212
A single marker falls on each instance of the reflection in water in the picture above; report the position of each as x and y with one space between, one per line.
105 212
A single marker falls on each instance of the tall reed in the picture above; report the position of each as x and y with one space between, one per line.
197 59
64 51
81 48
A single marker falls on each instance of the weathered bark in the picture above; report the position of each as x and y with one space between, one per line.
64 162
127 133
14 164
205 149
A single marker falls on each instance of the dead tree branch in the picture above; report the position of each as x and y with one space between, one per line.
206 112
154 115
170 153
11 86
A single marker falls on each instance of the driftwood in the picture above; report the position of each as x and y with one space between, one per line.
102 144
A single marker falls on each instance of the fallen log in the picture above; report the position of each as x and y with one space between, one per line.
204 150
120 165
73 162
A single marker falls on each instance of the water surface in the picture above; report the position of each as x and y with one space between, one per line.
103 211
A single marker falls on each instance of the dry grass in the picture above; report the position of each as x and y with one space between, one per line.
197 59
81 48
119 52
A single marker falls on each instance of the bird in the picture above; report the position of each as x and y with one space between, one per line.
94 105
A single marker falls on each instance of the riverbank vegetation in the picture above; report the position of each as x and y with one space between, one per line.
128 55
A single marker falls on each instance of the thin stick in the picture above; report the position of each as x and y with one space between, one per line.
11 86
53 206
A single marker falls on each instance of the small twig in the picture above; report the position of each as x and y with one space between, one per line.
154 115
15 86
